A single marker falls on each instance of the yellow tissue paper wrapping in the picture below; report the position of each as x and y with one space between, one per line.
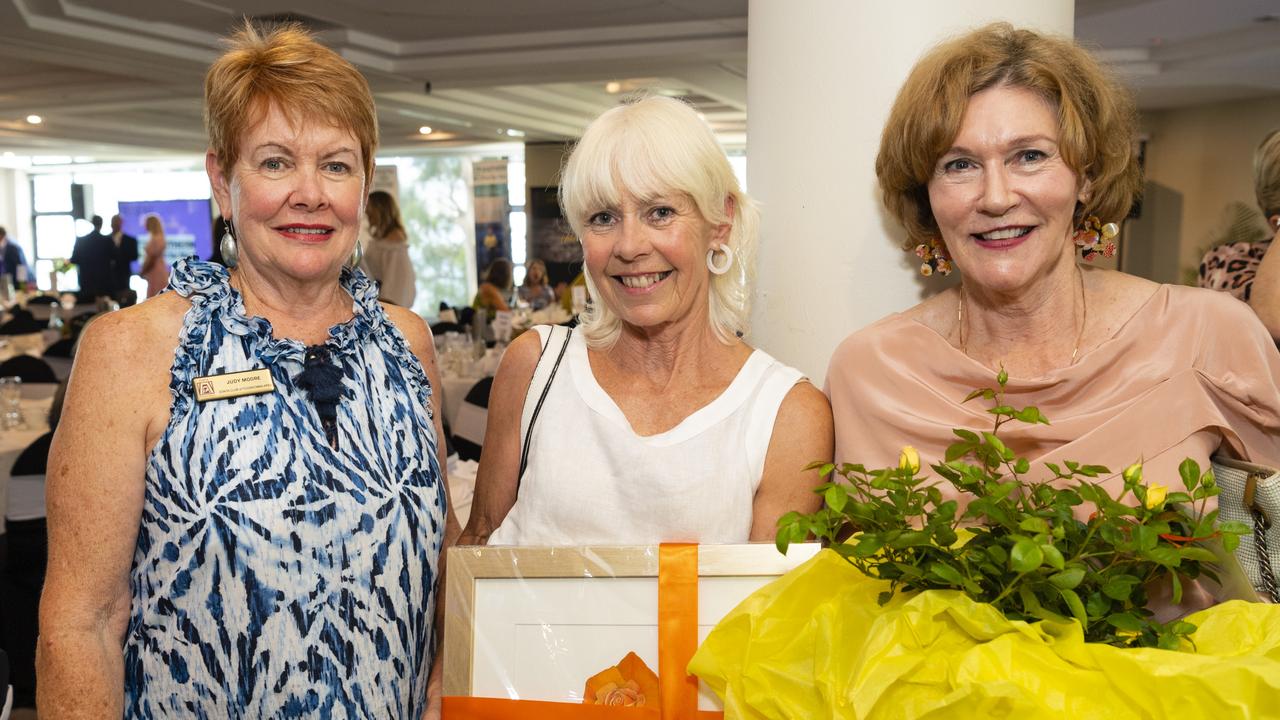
816 644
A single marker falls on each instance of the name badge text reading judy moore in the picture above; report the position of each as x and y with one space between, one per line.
236 384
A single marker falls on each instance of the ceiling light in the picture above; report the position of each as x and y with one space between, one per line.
35 119
511 132
613 87
424 130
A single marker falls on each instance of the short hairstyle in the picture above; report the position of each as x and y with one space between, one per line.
286 67
3 232
648 148
1266 173
384 214
1097 119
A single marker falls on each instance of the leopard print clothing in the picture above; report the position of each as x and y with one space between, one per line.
1231 267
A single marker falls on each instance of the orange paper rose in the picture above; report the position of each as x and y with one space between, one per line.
627 684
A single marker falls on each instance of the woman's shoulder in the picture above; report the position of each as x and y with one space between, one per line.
147 333
412 326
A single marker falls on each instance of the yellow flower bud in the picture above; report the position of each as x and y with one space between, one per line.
1155 495
909 459
1133 473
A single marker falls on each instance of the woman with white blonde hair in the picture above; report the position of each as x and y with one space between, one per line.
654 421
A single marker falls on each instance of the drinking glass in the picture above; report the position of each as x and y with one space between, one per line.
11 402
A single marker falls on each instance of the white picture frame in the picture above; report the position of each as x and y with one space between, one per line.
533 623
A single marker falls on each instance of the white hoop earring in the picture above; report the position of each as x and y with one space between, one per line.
728 260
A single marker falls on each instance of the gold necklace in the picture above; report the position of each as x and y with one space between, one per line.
1084 318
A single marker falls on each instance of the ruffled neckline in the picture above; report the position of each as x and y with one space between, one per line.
208 284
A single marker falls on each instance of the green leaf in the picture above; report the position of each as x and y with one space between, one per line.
944 536
1030 603
1021 466
1098 605
1068 579
1177 588
967 435
1002 410
1053 467
1189 470
1077 607
1164 555
1125 621
1094 470
955 451
1235 528
1052 556
998 554
1033 525
1026 555
1119 587
947 574
868 545
884 597
836 497
1146 537
1031 415
1199 554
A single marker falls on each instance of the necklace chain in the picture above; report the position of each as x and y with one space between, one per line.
1084 317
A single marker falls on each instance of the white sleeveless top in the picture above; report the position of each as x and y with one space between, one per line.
591 480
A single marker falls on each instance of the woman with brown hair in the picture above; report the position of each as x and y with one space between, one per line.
386 259
227 538
1008 155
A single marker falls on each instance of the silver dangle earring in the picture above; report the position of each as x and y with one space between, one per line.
728 260
229 248
357 254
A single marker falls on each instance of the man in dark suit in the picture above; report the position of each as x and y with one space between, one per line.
11 259
92 257
124 254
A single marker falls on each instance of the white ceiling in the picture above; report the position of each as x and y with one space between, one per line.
121 79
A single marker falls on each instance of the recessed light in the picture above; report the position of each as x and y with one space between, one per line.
35 119
512 132
424 130
613 87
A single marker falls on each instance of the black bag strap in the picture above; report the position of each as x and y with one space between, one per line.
543 373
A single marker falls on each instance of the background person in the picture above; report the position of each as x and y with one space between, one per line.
1000 147
154 269
93 256
125 253
1248 270
661 424
259 555
13 262
491 297
386 257
534 290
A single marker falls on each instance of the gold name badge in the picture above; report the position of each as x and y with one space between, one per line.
220 387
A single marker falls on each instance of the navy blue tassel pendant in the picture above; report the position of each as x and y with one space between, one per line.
322 381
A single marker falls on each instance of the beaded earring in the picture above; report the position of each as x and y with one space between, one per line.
1094 239
934 258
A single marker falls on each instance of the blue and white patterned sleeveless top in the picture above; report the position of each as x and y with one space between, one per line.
275 576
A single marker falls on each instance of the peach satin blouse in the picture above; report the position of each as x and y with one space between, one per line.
1192 372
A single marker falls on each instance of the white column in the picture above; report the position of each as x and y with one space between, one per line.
822 75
